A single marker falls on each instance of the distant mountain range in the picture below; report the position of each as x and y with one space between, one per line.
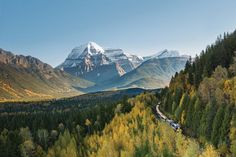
113 68
152 73
88 68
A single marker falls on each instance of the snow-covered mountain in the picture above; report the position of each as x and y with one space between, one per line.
136 60
118 56
153 73
90 48
90 62
89 55
96 64
164 54
167 53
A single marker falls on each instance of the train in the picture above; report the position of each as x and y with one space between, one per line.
172 123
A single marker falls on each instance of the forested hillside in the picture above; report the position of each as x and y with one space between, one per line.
29 129
202 97
139 134
122 128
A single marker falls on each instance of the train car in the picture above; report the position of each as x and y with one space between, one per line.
175 126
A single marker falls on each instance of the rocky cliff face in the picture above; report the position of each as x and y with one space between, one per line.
22 61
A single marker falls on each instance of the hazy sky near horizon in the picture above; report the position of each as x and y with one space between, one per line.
49 29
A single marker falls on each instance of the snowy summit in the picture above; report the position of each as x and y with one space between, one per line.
91 48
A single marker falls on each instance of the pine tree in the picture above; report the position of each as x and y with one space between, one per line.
224 129
196 116
203 123
210 119
215 135
190 112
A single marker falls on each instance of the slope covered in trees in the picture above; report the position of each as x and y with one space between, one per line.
124 128
202 97
30 129
139 134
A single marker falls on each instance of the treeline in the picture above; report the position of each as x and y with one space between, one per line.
202 97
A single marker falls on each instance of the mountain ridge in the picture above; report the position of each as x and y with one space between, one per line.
26 77
94 69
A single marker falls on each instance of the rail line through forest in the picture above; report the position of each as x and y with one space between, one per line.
161 116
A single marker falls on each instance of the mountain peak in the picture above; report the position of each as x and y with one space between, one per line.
90 48
167 53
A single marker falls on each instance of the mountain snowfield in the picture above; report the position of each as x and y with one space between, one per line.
91 48
113 68
165 54
119 57
90 54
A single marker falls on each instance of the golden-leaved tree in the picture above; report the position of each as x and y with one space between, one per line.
139 134
65 146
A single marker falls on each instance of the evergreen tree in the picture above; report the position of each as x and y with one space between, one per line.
224 129
203 123
217 123
210 119
196 116
190 112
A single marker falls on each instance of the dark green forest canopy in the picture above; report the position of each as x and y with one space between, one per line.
47 119
202 97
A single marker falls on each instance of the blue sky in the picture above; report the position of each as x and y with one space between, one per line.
49 29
